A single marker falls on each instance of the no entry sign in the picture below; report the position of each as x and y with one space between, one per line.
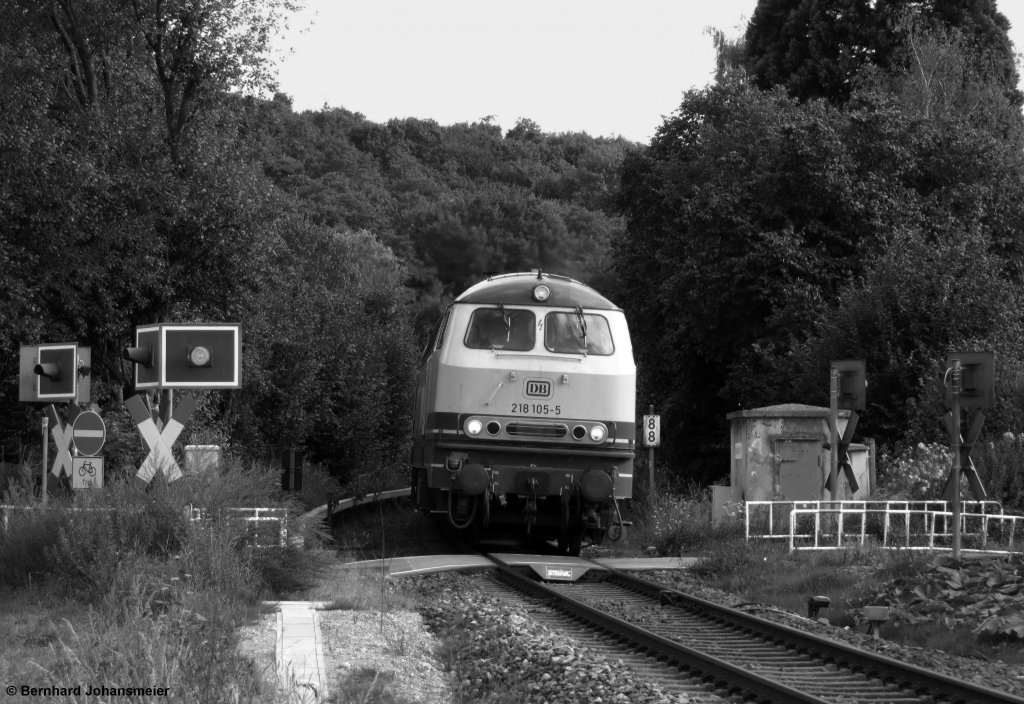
89 432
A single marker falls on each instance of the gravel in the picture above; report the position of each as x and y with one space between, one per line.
495 650
498 649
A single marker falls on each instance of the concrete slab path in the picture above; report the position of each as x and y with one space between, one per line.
299 654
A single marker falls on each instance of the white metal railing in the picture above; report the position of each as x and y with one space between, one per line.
7 509
253 520
922 525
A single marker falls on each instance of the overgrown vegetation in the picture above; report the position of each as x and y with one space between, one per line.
677 524
984 596
973 607
118 587
920 472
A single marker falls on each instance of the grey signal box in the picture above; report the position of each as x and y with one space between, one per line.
54 372
853 384
977 379
187 356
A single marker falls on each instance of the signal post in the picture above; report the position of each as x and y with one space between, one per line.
970 383
652 439
201 356
49 374
847 390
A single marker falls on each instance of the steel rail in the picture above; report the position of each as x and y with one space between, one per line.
722 674
906 675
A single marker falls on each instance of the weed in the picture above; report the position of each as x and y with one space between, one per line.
682 524
397 643
119 586
998 465
366 686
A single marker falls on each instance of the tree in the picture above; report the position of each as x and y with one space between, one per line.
331 357
746 210
816 49
453 202
924 296
105 224
200 51
766 236
939 72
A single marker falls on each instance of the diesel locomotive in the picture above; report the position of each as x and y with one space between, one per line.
524 420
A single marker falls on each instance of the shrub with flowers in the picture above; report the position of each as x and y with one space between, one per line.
917 474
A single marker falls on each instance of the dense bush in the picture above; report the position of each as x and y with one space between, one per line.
920 473
916 474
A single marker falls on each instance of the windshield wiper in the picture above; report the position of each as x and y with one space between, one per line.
505 318
583 326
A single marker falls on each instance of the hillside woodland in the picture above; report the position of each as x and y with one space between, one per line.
860 196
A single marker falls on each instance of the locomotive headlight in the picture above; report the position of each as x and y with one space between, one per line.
541 293
474 426
598 433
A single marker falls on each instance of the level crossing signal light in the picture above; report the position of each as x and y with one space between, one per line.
54 372
140 355
853 384
186 356
977 379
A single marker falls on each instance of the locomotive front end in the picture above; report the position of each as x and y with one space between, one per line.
525 412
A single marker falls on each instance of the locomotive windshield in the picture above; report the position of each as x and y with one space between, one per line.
577 333
501 329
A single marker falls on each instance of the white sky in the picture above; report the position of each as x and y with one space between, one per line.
605 67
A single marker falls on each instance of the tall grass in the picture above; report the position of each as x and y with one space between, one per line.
999 468
129 592
681 524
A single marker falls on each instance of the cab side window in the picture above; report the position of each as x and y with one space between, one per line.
501 329
435 339
442 329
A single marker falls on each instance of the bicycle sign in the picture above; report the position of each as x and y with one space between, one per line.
87 473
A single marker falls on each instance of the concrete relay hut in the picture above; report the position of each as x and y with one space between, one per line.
780 453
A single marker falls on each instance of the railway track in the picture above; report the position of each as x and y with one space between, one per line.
645 664
708 650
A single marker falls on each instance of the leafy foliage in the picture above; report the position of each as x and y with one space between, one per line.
984 594
453 202
766 236
917 474
818 50
744 217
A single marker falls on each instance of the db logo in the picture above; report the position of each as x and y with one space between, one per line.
538 388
